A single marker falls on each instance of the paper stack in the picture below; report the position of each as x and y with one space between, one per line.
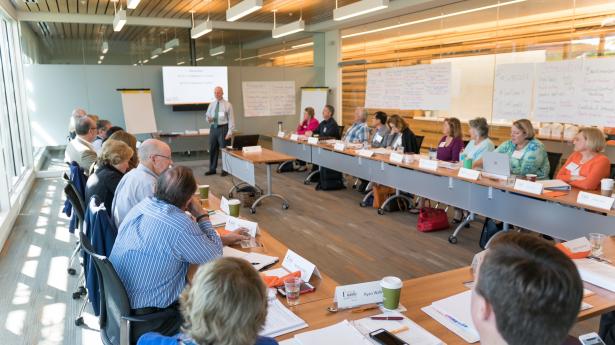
415 334
218 218
454 313
280 320
554 185
601 274
339 333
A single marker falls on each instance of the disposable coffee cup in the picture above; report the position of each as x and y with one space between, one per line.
467 163
233 207
531 177
606 186
204 191
391 291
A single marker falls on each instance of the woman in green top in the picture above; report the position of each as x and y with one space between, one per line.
527 154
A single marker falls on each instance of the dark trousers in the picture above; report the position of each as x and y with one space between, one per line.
216 142
607 328
169 326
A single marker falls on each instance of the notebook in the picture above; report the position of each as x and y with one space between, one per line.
415 335
554 185
601 274
454 313
218 218
259 261
340 333
280 320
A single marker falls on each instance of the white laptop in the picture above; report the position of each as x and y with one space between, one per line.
496 165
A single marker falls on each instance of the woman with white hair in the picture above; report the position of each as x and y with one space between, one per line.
226 305
359 132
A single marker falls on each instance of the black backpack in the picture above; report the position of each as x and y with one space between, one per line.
490 228
330 180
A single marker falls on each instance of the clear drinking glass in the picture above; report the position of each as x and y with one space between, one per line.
597 242
400 149
293 288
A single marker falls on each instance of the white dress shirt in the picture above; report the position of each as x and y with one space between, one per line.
225 114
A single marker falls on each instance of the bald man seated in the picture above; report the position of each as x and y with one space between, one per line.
139 183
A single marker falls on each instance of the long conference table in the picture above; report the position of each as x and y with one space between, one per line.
416 293
560 217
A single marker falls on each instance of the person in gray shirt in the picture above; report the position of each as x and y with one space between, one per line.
381 130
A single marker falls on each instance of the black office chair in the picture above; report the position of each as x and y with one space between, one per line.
115 314
612 174
465 143
342 131
554 159
419 141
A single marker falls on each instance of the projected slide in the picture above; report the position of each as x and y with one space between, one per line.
193 85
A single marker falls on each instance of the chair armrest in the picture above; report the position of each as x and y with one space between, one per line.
152 316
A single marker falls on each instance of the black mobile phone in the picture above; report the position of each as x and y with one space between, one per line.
304 288
384 337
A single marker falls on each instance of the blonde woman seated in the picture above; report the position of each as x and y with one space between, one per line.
586 166
226 305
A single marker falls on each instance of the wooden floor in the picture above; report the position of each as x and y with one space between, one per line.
351 244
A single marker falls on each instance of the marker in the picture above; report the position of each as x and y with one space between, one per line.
391 318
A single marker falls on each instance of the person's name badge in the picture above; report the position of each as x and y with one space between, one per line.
517 154
442 144
573 168
377 138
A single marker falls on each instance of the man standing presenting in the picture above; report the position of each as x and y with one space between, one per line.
222 124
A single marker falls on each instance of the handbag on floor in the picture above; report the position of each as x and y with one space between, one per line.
490 228
381 193
330 180
432 219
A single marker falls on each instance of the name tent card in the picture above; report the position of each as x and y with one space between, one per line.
428 164
365 153
595 200
396 157
339 147
281 134
224 205
234 223
312 141
349 296
528 186
294 262
294 137
252 149
470 174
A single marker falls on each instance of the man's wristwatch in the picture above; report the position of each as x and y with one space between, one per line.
199 218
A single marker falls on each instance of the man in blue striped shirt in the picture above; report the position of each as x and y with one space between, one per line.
156 243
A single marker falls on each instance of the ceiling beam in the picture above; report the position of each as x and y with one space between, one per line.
138 21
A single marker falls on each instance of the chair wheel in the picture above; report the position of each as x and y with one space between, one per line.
380 211
78 321
82 291
252 210
285 206
71 271
362 204
306 182
452 239
230 195
354 186
76 295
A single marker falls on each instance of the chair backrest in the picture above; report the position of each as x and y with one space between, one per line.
612 174
114 299
342 131
465 143
419 141
554 159
75 199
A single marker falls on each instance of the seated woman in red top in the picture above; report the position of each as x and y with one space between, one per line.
309 123
586 166
451 143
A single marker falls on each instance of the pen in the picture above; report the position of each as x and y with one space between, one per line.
455 321
360 310
400 330
396 318
255 263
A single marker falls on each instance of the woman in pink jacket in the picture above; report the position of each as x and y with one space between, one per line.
309 123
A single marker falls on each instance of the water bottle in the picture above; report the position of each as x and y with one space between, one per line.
280 128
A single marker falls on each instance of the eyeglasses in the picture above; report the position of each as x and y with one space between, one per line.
169 158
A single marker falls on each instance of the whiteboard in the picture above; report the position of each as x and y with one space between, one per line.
555 91
416 87
138 111
512 91
315 97
193 85
596 95
268 98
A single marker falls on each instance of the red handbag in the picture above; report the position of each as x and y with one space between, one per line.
432 219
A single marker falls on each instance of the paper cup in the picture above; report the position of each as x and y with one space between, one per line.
204 191
233 207
391 291
467 163
606 186
531 177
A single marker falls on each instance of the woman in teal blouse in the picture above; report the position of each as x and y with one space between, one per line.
527 154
